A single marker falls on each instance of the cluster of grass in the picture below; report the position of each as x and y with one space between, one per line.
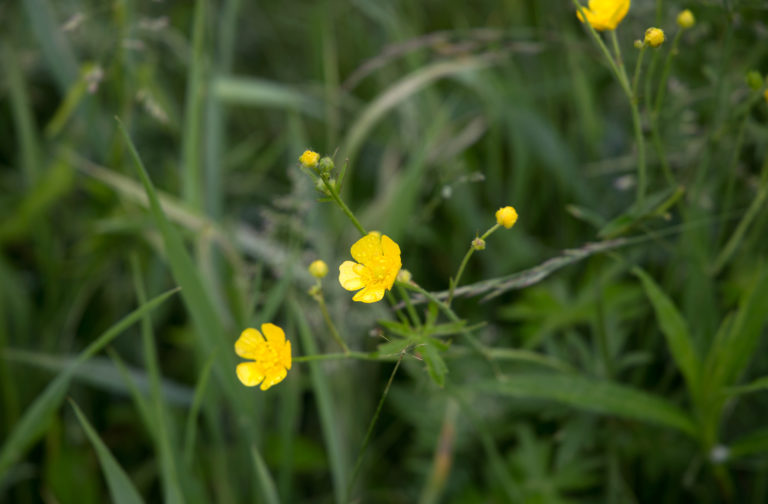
611 346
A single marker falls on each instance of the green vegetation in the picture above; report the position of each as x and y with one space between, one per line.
611 346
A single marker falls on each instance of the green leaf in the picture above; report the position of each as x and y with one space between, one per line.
675 330
435 364
655 205
399 328
394 347
598 396
35 419
733 356
755 386
751 444
268 489
120 486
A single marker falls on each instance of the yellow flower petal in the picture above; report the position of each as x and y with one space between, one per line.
369 295
250 374
273 379
250 344
389 247
284 354
274 335
366 248
349 278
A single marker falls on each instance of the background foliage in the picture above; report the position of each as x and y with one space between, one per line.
627 371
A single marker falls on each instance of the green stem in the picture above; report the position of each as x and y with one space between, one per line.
665 74
479 347
454 282
344 208
409 306
372 356
328 322
638 67
368 434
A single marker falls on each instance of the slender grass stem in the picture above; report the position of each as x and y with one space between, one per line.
454 282
343 206
665 75
329 323
409 306
371 425
638 69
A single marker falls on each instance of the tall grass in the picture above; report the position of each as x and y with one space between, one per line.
608 348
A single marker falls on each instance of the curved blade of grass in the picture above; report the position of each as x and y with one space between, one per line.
197 402
675 330
328 421
402 90
268 488
120 486
751 444
593 395
37 416
263 93
755 386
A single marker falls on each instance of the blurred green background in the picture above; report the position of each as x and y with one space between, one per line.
612 384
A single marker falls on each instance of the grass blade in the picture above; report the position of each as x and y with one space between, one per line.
267 484
35 419
336 450
121 488
594 395
675 330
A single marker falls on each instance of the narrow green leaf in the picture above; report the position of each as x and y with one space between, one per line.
268 489
755 386
435 364
325 405
35 419
753 443
594 395
120 486
674 328
197 402
739 347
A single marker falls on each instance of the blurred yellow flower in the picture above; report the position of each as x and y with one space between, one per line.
309 158
654 37
270 354
506 216
378 262
685 19
318 269
605 14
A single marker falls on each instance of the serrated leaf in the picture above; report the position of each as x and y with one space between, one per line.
398 328
598 396
393 347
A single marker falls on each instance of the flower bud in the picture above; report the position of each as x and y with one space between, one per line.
478 244
506 216
754 80
639 44
654 37
685 19
318 269
326 165
309 159
404 276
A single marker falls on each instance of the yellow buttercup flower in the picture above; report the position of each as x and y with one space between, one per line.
605 14
269 352
318 269
309 158
506 216
378 262
654 37
685 19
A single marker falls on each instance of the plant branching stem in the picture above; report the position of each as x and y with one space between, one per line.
454 282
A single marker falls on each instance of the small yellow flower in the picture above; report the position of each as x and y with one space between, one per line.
654 37
270 355
685 19
378 262
309 158
605 14
318 269
506 216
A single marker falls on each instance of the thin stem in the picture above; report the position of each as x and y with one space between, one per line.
479 347
372 356
368 434
619 61
344 208
640 141
409 306
665 74
638 67
454 282
328 322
